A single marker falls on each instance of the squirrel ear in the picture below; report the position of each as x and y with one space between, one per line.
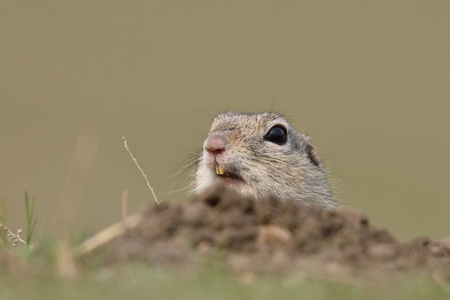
313 156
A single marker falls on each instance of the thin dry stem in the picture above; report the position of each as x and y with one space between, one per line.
107 235
124 205
65 263
140 169
77 181
117 229
442 278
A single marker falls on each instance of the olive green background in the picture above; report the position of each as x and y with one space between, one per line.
368 80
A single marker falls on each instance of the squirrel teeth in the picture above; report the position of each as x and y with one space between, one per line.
221 172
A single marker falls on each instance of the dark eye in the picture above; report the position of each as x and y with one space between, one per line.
277 134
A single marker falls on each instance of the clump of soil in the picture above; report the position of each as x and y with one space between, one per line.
273 235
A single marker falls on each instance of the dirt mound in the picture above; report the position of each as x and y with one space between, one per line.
273 235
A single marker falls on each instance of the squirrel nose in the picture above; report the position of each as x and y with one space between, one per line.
216 143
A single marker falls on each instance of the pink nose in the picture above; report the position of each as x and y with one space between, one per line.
216 143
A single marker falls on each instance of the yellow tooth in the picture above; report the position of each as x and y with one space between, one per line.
219 170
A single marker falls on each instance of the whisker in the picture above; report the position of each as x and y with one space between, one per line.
342 177
183 168
336 154
176 191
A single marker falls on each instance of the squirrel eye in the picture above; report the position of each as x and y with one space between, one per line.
277 134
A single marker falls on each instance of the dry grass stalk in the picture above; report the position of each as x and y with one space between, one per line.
65 263
77 181
107 235
124 205
442 278
140 169
115 230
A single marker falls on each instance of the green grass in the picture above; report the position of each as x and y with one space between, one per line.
146 282
31 221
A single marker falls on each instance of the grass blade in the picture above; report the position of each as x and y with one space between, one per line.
31 221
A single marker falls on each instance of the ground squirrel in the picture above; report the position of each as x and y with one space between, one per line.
260 154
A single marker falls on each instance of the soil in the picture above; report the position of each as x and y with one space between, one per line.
274 236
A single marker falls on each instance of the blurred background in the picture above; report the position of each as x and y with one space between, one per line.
368 80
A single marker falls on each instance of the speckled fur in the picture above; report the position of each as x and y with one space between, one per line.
289 171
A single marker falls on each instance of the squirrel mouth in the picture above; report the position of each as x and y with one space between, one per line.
225 174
